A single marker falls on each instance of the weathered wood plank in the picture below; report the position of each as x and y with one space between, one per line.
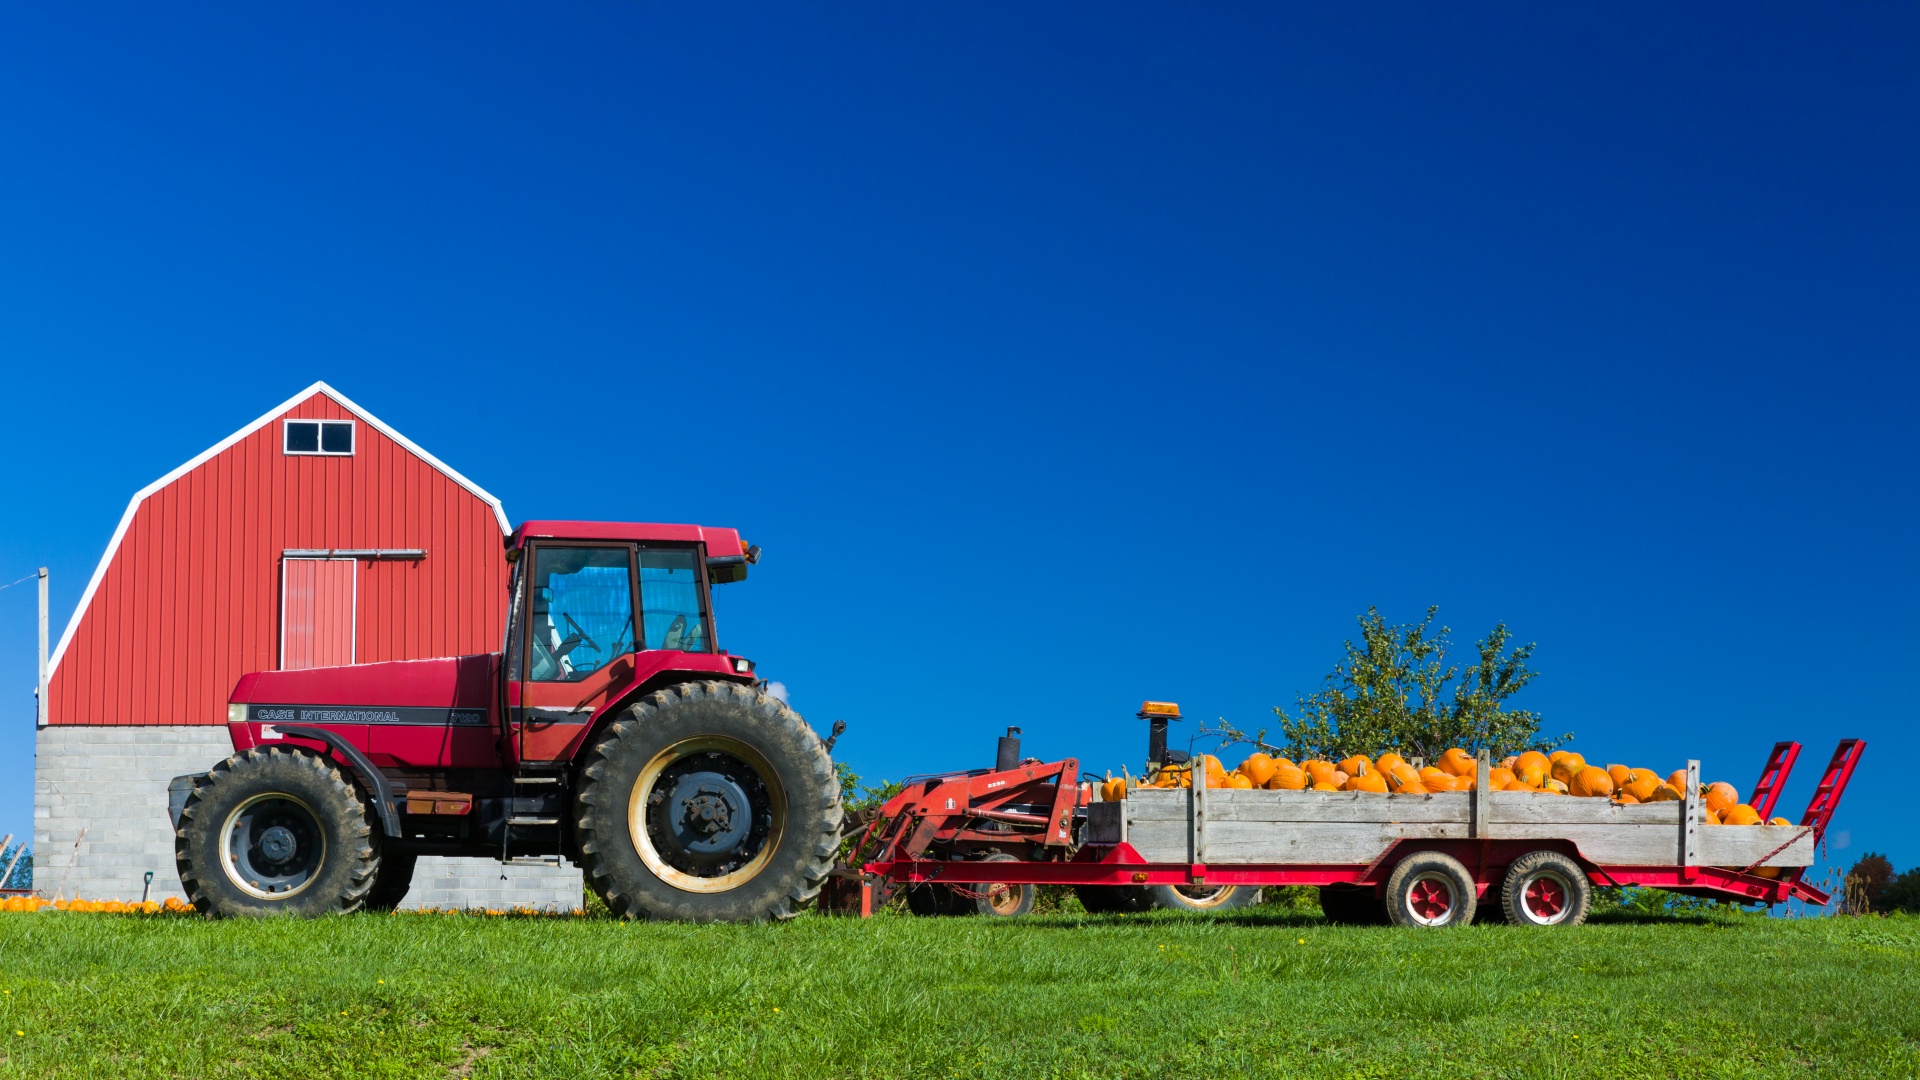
1106 823
1523 808
1738 846
1232 804
1326 842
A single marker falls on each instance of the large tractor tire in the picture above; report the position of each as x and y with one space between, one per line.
707 802
277 831
1203 897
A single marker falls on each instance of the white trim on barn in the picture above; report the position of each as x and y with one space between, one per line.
126 519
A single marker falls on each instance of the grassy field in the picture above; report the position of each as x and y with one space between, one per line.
1261 994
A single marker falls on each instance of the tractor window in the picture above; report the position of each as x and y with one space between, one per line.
670 601
582 612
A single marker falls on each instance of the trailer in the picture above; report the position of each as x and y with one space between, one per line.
983 840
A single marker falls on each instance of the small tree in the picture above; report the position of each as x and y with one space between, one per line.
1396 691
1866 884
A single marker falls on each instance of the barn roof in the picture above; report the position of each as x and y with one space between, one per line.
133 506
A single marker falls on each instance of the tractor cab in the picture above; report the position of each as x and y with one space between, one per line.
598 611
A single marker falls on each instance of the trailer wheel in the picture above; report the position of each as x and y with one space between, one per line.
1114 899
707 802
1545 888
1352 905
392 882
1430 889
275 831
1203 897
1004 901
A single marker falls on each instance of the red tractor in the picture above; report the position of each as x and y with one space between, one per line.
610 730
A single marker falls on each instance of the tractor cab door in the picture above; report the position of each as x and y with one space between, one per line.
571 647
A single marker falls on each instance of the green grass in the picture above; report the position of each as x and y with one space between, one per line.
1263 994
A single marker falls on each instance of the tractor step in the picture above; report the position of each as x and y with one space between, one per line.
534 860
533 821
536 779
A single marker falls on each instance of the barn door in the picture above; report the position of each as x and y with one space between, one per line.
317 598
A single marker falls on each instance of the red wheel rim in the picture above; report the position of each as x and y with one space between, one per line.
1545 898
1430 899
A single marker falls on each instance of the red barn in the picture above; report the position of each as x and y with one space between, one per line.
314 535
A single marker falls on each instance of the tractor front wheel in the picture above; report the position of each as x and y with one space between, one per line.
707 802
276 831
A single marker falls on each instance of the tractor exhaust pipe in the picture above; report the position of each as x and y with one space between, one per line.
1008 758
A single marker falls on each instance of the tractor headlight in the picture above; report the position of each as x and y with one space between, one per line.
236 713
742 665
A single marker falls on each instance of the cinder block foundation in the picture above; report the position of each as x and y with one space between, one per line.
100 823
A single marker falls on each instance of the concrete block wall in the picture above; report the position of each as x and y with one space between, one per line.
100 823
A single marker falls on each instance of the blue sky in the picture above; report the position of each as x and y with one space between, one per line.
1059 356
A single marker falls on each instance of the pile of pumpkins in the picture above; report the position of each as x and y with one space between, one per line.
1562 772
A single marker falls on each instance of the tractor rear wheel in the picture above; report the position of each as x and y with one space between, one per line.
707 802
276 831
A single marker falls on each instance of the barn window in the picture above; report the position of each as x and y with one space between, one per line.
330 437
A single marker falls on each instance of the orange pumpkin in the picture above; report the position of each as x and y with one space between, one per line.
1620 774
1625 799
1642 787
1567 767
1356 765
1532 759
1511 762
1401 775
1678 781
1371 780
1721 797
1558 787
1638 775
1499 777
1532 777
1666 793
1258 769
1458 762
1740 814
1289 778
1411 787
1237 780
1282 763
1325 787
1321 771
1591 782
1779 821
1387 761
1709 817
1519 785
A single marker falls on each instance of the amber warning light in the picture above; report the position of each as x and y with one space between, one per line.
1159 708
